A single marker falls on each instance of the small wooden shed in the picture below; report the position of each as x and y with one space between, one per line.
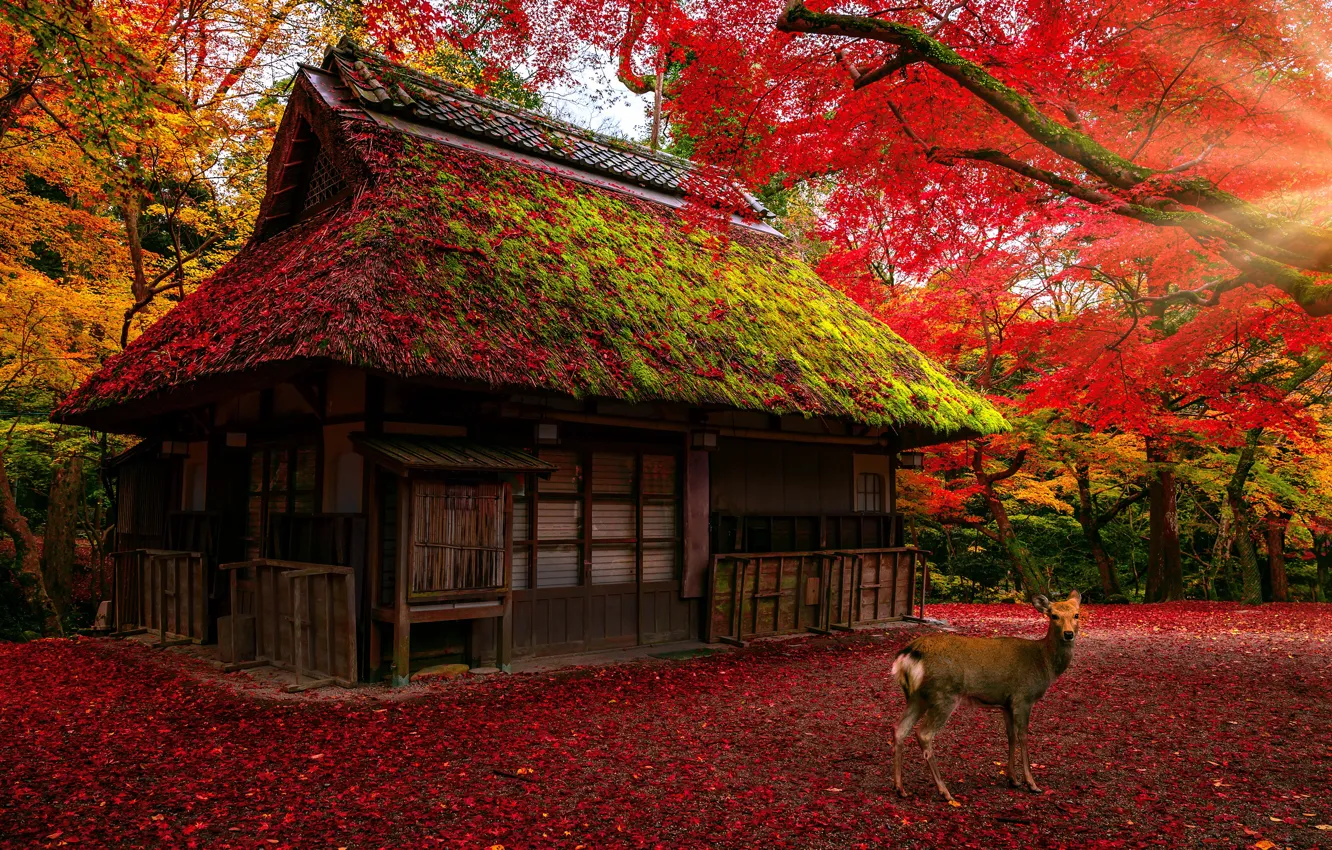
475 391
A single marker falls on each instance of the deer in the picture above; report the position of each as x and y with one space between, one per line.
938 671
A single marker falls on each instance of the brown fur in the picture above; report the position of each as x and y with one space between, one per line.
937 671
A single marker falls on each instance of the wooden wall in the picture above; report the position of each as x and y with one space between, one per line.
770 477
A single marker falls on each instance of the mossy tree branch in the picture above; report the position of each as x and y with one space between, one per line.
1269 248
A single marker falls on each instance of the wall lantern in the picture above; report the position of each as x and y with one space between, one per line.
704 440
236 439
911 460
547 433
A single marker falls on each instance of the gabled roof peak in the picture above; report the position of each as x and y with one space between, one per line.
382 85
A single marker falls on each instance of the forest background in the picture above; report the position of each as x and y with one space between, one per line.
1111 218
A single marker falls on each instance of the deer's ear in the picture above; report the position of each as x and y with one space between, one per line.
1074 596
1040 603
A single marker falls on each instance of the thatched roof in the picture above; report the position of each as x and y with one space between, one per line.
452 261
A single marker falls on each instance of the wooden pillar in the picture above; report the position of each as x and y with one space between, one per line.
697 496
504 648
402 624
504 641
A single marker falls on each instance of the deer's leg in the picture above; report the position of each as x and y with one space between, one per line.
1010 726
935 717
915 708
1022 719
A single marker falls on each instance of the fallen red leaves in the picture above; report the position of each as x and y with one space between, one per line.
1213 730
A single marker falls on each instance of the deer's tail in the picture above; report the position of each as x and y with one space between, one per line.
909 669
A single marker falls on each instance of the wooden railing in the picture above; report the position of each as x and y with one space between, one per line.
337 539
195 531
295 616
777 593
163 591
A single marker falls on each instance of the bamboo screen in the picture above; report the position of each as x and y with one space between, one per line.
458 538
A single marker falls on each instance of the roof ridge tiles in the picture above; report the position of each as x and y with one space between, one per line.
436 101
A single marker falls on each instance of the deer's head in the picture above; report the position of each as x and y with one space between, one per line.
1063 615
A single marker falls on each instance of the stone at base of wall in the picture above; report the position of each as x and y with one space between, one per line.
440 671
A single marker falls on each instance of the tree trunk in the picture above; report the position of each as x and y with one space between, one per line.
27 553
1165 569
1276 556
1026 575
1323 557
1252 593
139 288
1172 566
1221 560
58 552
1091 530
11 106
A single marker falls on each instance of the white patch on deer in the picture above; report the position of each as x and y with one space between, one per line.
909 671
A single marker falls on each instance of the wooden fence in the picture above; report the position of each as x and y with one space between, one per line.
295 616
163 591
761 595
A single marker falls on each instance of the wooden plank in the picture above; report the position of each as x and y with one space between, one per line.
286 565
310 684
349 627
897 561
440 615
330 665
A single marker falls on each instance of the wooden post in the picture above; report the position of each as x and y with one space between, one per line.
156 568
352 667
892 608
330 667
504 641
402 624
925 583
504 651
297 627
696 555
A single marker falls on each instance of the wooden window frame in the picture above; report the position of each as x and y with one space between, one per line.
585 542
291 447
861 502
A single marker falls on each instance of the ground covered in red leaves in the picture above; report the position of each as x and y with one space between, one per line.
1178 725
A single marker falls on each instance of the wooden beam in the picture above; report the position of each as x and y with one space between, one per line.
309 685
441 615
669 425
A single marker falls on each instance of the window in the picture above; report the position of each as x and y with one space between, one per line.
869 492
325 182
308 181
559 526
603 517
457 537
283 480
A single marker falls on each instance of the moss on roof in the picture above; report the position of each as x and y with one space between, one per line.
458 265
